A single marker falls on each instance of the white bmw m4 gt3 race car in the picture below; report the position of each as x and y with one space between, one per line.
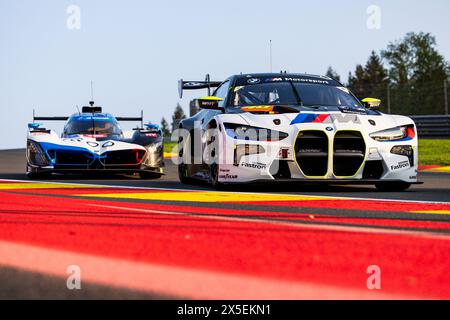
293 127
93 141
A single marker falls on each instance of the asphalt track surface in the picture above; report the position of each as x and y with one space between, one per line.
134 238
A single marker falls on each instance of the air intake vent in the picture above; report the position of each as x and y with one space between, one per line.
373 169
124 157
311 151
349 151
72 158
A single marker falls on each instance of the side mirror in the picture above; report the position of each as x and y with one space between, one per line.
371 103
209 102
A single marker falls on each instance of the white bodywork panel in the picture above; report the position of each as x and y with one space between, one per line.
256 167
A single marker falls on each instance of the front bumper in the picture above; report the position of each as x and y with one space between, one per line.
158 171
278 161
340 182
62 160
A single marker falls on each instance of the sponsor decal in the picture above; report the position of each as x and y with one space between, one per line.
353 110
310 118
253 80
400 165
228 176
224 170
413 177
274 79
326 118
95 135
308 80
90 118
283 78
254 165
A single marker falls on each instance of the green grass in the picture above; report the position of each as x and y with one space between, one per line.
434 152
168 146
431 152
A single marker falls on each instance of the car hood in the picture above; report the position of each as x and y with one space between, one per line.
334 119
82 143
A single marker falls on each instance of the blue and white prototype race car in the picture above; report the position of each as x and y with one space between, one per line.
93 141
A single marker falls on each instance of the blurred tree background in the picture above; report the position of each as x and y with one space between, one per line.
410 77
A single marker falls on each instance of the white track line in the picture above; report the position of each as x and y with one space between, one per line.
249 193
320 227
172 280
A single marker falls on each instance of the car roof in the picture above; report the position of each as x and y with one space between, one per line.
278 74
302 77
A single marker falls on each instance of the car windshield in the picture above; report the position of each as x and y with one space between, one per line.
92 126
289 93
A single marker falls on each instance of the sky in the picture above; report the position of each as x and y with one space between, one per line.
136 51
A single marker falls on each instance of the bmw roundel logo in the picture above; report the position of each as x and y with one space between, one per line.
329 128
253 80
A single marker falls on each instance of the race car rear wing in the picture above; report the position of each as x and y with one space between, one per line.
140 119
196 85
137 119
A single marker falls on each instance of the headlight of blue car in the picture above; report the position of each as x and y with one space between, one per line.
36 155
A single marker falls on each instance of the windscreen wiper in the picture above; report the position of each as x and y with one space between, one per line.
297 95
312 107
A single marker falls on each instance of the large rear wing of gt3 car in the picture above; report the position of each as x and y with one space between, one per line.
196 85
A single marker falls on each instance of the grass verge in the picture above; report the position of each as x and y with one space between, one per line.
434 152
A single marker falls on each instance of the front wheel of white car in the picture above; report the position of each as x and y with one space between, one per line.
392 186
214 172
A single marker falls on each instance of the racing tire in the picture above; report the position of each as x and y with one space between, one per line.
183 169
214 177
392 186
183 174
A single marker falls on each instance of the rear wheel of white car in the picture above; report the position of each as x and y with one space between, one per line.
392 186
183 169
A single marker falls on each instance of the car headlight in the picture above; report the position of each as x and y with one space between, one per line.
36 155
395 134
249 133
